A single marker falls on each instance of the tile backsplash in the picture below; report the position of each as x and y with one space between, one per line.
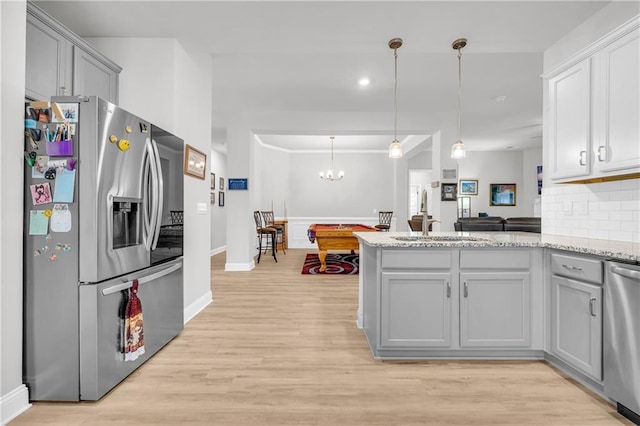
607 211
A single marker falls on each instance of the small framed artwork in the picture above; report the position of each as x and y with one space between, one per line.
449 192
502 194
213 197
213 181
221 184
195 162
468 187
221 199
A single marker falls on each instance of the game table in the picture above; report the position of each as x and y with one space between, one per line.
335 237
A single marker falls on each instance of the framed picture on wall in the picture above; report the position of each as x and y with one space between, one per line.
221 199
221 184
449 192
213 181
502 194
213 197
468 187
195 162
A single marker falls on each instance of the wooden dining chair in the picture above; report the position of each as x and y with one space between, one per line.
265 232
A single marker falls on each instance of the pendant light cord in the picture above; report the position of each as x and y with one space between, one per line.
459 90
332 153
395 95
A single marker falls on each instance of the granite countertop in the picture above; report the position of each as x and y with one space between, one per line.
610 249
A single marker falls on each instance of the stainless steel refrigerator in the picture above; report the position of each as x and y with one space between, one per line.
103 207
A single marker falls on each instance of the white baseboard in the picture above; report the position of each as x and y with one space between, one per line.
14 403
198 305
239 267
218 250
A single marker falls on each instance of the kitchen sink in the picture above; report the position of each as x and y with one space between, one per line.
445 238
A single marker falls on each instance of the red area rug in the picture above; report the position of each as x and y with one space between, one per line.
337 264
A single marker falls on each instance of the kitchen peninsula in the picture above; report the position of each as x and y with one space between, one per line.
487 295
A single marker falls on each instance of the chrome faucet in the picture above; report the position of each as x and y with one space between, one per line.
425 216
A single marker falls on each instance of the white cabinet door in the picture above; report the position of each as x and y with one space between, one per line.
617 106
495 309
92 77
576 324
415 310
570 121
48 61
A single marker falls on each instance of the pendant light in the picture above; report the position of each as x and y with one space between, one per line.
329 174
458 149
395 149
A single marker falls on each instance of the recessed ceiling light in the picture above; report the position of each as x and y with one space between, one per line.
364 81
500 98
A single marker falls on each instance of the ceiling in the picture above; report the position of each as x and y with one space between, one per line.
290 68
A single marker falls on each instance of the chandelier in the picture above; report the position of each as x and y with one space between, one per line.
329 174
395 149
458 149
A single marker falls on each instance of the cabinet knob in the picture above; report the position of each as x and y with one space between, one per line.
592 307
466 289
602 153
583 158
63 89
448 289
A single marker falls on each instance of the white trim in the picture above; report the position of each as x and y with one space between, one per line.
14 403
624 29
197 306
239 267
218 250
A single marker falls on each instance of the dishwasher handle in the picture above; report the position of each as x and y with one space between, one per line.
628 273
119 287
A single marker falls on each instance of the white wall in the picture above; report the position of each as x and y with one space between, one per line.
14 397
172 88
218 214
489 167
368 184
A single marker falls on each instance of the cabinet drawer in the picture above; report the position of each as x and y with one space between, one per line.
416 259
494 259
577 267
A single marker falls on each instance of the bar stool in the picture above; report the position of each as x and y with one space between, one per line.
385 221
269 221
264 232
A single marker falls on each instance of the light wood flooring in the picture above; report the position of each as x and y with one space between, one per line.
280 348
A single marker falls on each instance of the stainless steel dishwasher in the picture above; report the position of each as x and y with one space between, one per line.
622 338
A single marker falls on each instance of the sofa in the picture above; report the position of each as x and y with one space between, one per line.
497 223
415 223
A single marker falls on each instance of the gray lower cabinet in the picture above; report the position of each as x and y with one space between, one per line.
495 309
576 324
415 310
459 299
60 63
576 311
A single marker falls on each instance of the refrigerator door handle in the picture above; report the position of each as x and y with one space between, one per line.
153 197
160 190
119 287
146 203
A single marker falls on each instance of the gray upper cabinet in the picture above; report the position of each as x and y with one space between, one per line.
48 62
93 77
58 62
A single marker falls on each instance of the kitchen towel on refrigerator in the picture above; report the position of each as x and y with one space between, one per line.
133 333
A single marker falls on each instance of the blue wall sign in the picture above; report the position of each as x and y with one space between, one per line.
237 183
